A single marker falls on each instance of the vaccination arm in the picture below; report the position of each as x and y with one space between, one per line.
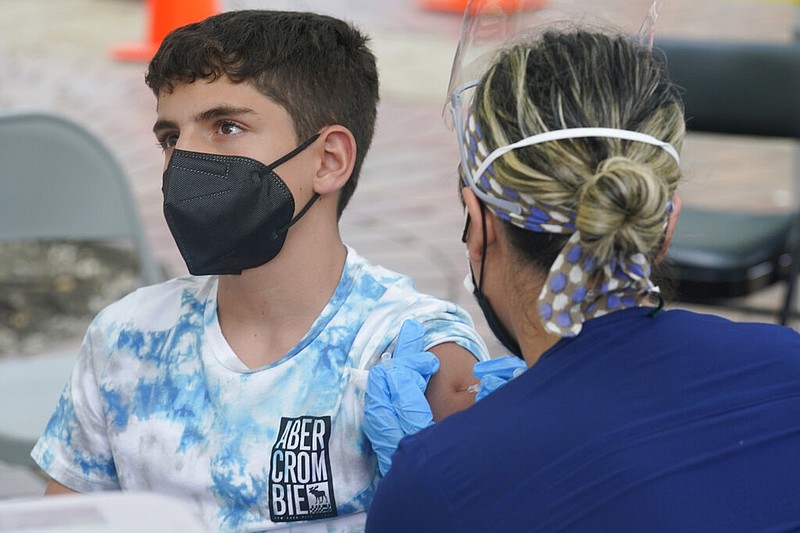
409 390
449 389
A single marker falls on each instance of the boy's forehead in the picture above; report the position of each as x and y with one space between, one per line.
207 88
216 93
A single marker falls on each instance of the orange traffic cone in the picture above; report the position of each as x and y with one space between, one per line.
164 16
459 6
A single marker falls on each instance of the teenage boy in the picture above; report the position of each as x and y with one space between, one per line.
240 388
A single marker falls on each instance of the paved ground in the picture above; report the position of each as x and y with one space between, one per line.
55 54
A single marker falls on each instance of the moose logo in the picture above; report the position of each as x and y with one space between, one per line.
300 484
321 499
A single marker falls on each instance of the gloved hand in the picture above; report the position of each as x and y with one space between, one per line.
395 397
495 373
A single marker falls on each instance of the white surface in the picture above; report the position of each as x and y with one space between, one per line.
111 512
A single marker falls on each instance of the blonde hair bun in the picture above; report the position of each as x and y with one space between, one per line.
622 208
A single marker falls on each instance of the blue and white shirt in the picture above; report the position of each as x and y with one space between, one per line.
159 402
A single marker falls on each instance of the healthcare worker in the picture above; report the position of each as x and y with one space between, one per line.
630 417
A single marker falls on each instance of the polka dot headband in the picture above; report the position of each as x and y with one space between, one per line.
567 299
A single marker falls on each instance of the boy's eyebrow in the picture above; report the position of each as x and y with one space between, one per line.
204 116
222 111
164 125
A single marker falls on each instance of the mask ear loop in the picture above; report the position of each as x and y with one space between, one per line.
278 162
483 246
659 307
302 212
315 196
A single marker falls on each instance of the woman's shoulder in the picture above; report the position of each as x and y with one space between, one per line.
724 327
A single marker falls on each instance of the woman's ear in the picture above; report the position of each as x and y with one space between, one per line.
672 221
473 236
338 159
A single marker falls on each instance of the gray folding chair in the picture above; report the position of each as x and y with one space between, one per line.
57 182
750 89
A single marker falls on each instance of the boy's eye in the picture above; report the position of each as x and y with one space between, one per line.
167 140
229 128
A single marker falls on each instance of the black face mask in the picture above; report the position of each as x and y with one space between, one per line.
495 325
228 213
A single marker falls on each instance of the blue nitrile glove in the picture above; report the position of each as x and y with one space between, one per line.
495 373
395 398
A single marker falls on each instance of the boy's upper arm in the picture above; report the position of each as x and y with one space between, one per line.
54 488
77 429
447 390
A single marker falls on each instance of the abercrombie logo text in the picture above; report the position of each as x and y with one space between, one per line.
300 484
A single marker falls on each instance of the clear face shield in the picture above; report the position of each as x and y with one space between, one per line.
488 27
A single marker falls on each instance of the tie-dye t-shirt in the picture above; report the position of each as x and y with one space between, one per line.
159 402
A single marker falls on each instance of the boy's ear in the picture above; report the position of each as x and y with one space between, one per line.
338 159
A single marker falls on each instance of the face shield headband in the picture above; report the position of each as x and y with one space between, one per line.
489 26
568 297
478 170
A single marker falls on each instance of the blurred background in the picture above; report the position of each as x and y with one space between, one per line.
57 55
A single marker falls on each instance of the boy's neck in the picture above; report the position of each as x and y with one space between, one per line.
266 311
